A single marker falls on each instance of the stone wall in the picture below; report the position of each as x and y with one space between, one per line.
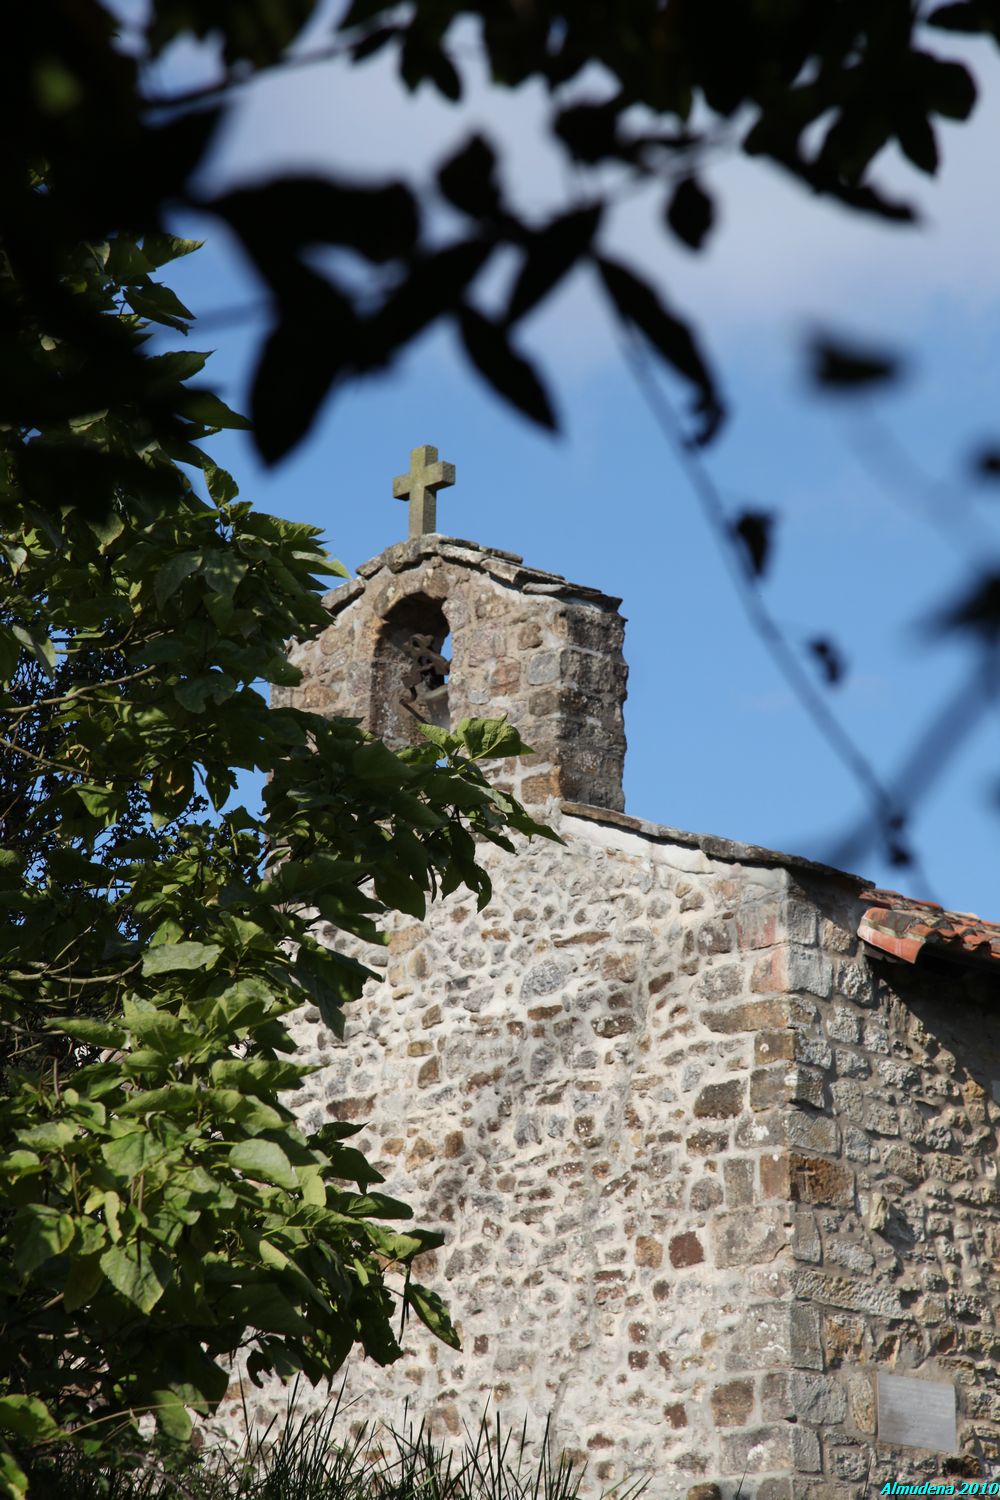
891 1169
524 643
701 1169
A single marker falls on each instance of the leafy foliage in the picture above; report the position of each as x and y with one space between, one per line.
818 88
160 1209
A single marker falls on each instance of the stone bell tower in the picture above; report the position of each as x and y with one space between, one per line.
439 629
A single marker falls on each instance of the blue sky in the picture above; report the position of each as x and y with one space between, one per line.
717 742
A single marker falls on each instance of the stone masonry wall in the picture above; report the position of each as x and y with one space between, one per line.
585 1085
524 643
704 1168
890 1164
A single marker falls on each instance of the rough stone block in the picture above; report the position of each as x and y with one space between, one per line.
812 1133
769 1086
732 1403
774 1046
760 925
861 1401
720 1101
816 1180
738 1175
754 1015
806 1454
686 1250
756 1450
817 1398
648 1251
775 1181
720 982
880 1299
805 1344
763 1339
750 1237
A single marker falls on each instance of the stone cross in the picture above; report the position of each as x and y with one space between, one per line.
420 487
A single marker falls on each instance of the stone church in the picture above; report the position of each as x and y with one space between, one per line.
711 1130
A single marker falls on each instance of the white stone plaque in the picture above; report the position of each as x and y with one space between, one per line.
919 1413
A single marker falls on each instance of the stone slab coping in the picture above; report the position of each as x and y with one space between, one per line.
709 843
506 567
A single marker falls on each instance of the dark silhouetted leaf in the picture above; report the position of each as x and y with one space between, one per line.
549 255
897 852
690 213
436 285
468 179
422 57
252 31
590 130
510 375
299 363
986 464
919 143
754 530
837 366
946 88
830 660
761 140
360 11
285 215
978 611
637 304
373 42
971 16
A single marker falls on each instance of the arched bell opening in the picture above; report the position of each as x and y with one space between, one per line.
410 671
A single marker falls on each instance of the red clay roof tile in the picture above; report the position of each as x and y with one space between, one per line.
901 927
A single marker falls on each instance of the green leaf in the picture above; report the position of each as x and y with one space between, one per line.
128 1155
165 958
10 653
171 1416
173 573
84 1029
221 485
432 1312
376 763
264 1160
37 642
13 1480
103 802
160 305
488 739
40 1231
143 1281
28 1418
345 1161
161 248
20 1164
179 364
83 1282
206 407
51 1135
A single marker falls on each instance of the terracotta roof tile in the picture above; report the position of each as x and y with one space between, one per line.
901 927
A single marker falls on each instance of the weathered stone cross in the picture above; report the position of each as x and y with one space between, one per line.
420 487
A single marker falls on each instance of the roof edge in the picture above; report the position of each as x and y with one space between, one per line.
730 850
